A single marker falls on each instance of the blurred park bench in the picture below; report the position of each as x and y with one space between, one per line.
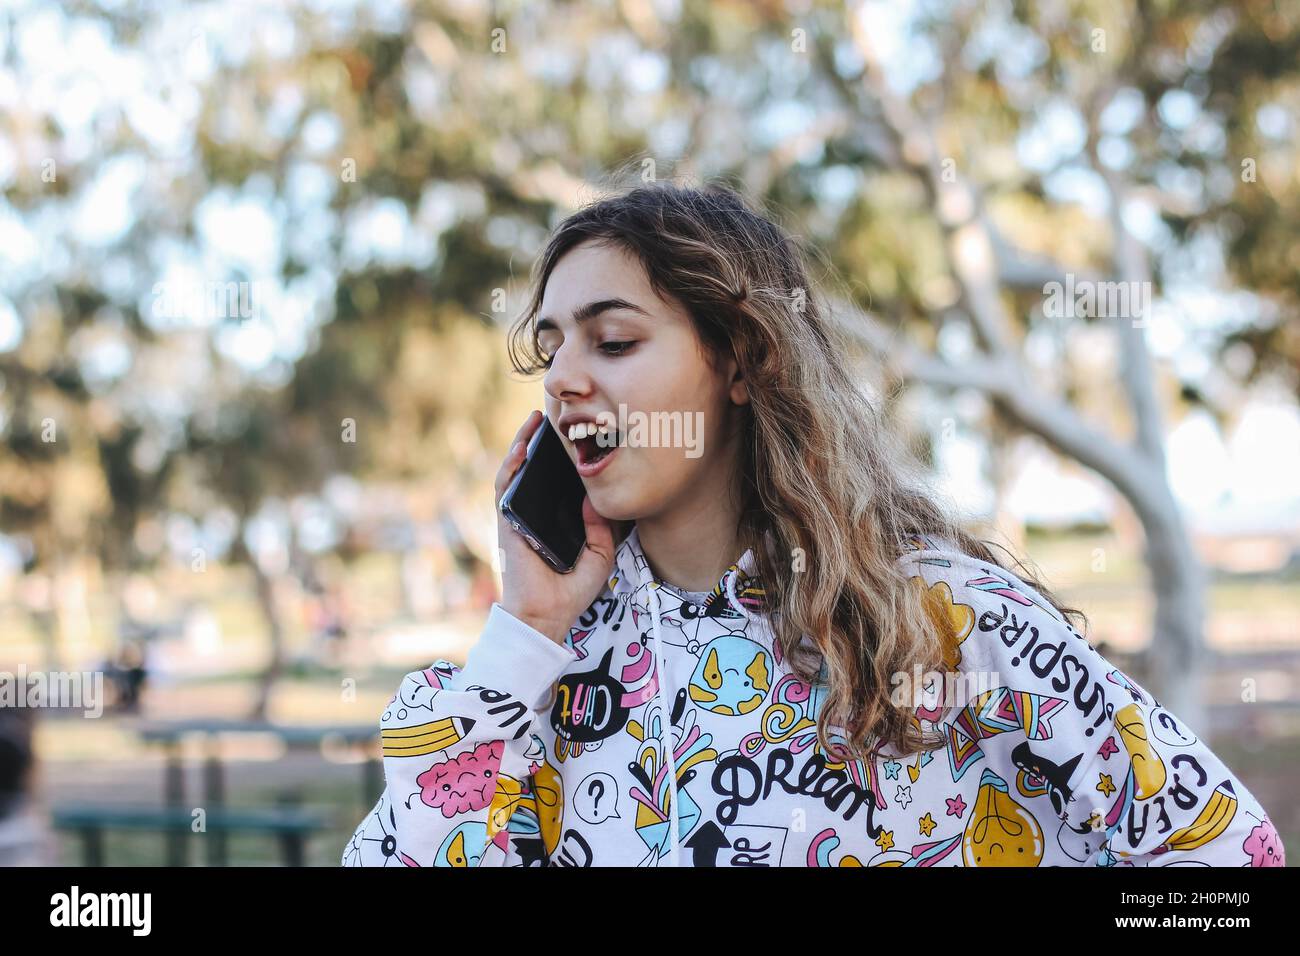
291 824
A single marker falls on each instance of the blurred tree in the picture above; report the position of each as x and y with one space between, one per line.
380 172
1116 101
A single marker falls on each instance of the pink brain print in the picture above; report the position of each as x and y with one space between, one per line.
1264 846
462 783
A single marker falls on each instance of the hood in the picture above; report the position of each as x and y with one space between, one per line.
736 595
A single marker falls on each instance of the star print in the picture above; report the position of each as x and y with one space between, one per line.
1108 748
927 825
956 807
1105 785
886 840
891 769
903 796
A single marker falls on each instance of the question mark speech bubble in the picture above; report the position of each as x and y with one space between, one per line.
597 798
1167 729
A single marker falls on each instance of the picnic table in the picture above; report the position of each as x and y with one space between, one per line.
290 823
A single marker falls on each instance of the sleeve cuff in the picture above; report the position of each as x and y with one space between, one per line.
512 657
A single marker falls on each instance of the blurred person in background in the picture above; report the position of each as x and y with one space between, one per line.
25 839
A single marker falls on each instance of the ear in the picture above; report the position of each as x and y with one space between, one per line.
739 388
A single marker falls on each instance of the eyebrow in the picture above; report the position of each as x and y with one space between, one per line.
591 310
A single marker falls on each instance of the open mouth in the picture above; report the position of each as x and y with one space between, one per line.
593 448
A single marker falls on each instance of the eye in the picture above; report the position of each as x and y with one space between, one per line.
616 348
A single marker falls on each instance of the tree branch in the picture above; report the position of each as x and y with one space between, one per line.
1131 263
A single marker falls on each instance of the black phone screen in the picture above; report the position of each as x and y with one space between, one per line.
547 494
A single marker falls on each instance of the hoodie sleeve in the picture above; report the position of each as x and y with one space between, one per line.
459 759
1073 744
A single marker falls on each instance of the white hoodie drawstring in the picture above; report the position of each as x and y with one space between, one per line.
746 565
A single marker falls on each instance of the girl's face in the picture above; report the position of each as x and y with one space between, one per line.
613 342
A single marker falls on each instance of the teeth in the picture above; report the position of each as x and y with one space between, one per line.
582 430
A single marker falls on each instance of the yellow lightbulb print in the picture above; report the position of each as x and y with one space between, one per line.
1001 832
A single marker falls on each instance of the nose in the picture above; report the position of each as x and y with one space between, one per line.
567 379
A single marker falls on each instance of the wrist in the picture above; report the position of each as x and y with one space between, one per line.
512 658
556 632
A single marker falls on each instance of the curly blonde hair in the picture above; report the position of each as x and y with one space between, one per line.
822 477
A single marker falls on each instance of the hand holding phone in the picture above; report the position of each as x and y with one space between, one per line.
533 590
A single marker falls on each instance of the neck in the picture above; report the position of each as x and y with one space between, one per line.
690 546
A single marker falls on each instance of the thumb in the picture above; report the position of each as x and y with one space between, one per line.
600 532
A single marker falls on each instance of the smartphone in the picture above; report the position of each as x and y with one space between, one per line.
544 500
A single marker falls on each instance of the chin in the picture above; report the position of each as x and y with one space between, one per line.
618 504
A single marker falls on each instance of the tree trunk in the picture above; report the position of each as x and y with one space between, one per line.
1176 655
265 588
1176 660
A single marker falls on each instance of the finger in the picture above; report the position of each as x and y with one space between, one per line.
529 426
514 458
518 451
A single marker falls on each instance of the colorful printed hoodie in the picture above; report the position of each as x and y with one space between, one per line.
668 732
